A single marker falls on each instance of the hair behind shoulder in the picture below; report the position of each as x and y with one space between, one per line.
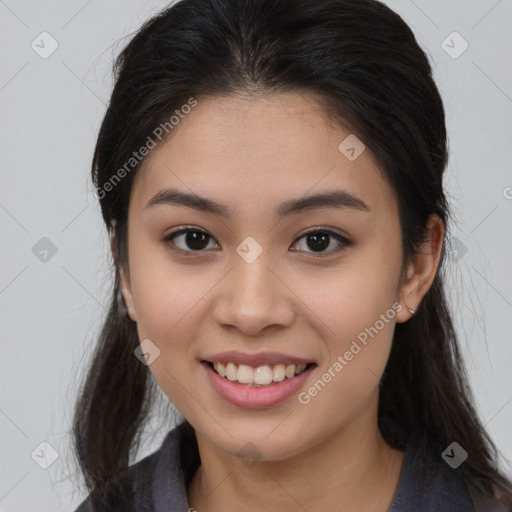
382 86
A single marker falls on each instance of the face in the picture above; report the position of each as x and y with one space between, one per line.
259 286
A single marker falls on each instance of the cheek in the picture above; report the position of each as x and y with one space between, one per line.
358 353
357 307
165 293
164 304
168 302
352 298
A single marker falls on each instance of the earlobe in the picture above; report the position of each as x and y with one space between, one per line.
406 313
411 310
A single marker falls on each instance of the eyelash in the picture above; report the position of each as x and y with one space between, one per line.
168 240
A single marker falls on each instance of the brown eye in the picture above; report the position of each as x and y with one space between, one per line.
195 240
319 240
192 240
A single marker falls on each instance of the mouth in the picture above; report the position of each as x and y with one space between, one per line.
261 379
263 376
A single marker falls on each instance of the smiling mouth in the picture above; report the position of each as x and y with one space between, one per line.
261 376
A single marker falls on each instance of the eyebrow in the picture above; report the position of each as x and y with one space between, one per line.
339 199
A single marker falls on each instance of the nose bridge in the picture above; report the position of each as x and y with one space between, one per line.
253 296
252 274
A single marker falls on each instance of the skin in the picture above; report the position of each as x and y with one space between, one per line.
251 154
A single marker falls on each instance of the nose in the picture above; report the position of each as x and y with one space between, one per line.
254 298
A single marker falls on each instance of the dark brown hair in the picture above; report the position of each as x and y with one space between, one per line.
382 85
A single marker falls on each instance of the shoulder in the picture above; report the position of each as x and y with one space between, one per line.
129 491
429 484
132 490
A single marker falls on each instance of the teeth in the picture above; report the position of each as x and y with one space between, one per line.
300 368
221 369
245 374
260 376
290 371
231 371
279 373
263 375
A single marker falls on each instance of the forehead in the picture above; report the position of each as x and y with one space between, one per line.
260 150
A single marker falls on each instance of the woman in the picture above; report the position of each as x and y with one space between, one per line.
270 173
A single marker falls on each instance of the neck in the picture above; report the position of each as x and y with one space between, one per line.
353 469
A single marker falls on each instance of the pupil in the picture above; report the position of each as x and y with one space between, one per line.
320 241
195 240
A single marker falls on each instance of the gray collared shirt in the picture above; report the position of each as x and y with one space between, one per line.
157 484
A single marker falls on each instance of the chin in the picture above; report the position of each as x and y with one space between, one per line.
252 445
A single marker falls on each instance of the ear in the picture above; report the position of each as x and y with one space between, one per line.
124 280
422 271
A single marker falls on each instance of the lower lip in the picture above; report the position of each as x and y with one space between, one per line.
245 396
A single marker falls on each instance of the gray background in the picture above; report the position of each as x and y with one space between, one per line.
51 310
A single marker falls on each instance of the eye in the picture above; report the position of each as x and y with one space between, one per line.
194 238
319 239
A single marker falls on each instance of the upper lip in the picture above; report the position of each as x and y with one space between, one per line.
259 359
